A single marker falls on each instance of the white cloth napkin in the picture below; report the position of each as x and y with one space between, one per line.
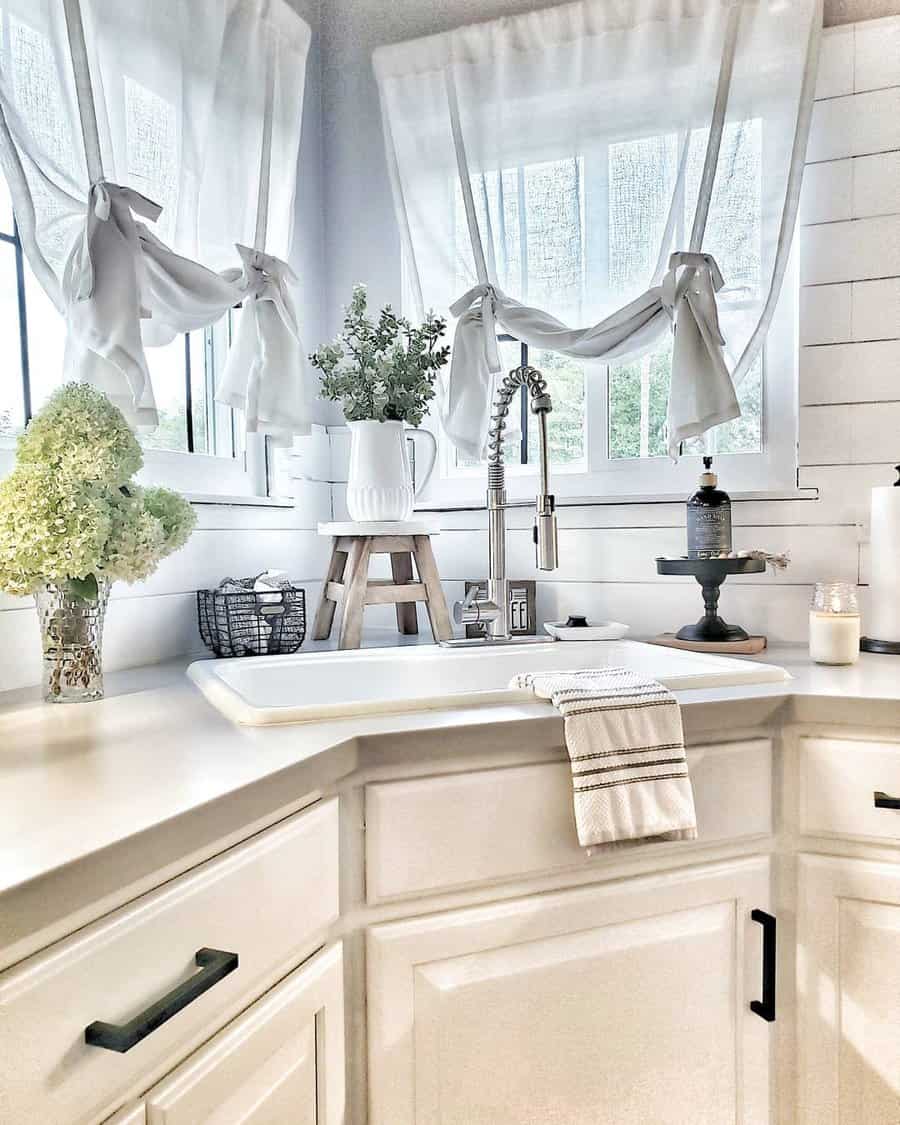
626 747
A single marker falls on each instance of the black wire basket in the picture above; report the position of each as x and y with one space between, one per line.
252 623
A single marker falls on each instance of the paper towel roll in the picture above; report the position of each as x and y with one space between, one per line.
884 592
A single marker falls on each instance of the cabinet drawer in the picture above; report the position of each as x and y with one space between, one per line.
280 1061
433 833
838 781
263 900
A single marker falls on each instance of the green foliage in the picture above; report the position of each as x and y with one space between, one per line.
69 512
382 371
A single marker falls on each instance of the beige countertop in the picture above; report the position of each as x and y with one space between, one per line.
116 784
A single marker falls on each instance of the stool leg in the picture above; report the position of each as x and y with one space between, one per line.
402 572
428 573
325 612
356 578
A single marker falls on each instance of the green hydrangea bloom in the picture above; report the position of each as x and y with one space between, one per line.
82 437
67 512
49 532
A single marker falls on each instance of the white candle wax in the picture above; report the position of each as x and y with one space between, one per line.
834 637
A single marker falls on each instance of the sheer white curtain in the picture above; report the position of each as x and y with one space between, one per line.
115 116
704 104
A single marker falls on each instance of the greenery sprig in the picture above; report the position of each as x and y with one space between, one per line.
383 371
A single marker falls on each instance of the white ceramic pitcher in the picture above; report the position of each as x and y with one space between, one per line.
379 482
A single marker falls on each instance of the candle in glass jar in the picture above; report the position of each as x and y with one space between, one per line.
834 624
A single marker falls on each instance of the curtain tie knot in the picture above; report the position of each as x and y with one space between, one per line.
484 294
694 278
265 278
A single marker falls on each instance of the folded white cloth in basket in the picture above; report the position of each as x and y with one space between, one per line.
626 747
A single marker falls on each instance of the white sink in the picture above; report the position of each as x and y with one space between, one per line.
331 685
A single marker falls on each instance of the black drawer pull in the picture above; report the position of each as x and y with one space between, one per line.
765 1008
214 965
883 801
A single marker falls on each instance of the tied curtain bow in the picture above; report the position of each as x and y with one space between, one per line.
103 293
260 375
606 160
702 392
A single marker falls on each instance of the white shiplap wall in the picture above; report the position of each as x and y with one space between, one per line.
849 394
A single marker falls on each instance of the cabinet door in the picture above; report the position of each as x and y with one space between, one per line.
622 1004
280 1063
848 992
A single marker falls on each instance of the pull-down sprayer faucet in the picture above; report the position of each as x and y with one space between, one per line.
493 611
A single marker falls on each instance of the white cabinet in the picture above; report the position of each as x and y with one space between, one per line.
848 992
280 1063
261 903
625 1004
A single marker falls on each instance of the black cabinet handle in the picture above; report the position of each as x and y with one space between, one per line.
883 801
214 965
765 1008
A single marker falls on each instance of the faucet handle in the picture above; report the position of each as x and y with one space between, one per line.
546 539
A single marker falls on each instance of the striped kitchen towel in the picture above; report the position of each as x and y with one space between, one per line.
626 747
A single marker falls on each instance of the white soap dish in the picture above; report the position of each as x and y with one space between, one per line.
593 631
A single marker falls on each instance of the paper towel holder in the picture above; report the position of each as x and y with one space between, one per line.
872 644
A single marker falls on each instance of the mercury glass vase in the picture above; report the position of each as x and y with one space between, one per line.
71 622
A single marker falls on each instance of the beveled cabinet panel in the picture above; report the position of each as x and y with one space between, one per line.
625 1003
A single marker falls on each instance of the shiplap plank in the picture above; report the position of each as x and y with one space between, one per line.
855 125
827 194
875 310
629 554
779 612
875 184
877 53
210 556
856 250
836 59
138 631
845 490
825 314
866 372
849 434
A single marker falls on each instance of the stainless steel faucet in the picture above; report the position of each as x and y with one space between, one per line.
493 611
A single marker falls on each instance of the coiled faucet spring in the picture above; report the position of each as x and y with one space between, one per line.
526 376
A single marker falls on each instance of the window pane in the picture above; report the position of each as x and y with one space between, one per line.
638 401
639 389
638 398
565 423
744 434
46 342
200 393
167 372
12 413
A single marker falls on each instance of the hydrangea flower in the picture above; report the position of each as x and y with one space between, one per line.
82 437
69 512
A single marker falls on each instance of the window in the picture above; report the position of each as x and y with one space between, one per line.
183 374
561 230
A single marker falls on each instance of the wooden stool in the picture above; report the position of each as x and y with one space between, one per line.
348 576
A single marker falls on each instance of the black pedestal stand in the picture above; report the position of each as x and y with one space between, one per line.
711 573
872 644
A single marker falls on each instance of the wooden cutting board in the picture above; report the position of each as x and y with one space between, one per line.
744 648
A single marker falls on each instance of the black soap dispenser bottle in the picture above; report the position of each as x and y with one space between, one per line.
708 518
